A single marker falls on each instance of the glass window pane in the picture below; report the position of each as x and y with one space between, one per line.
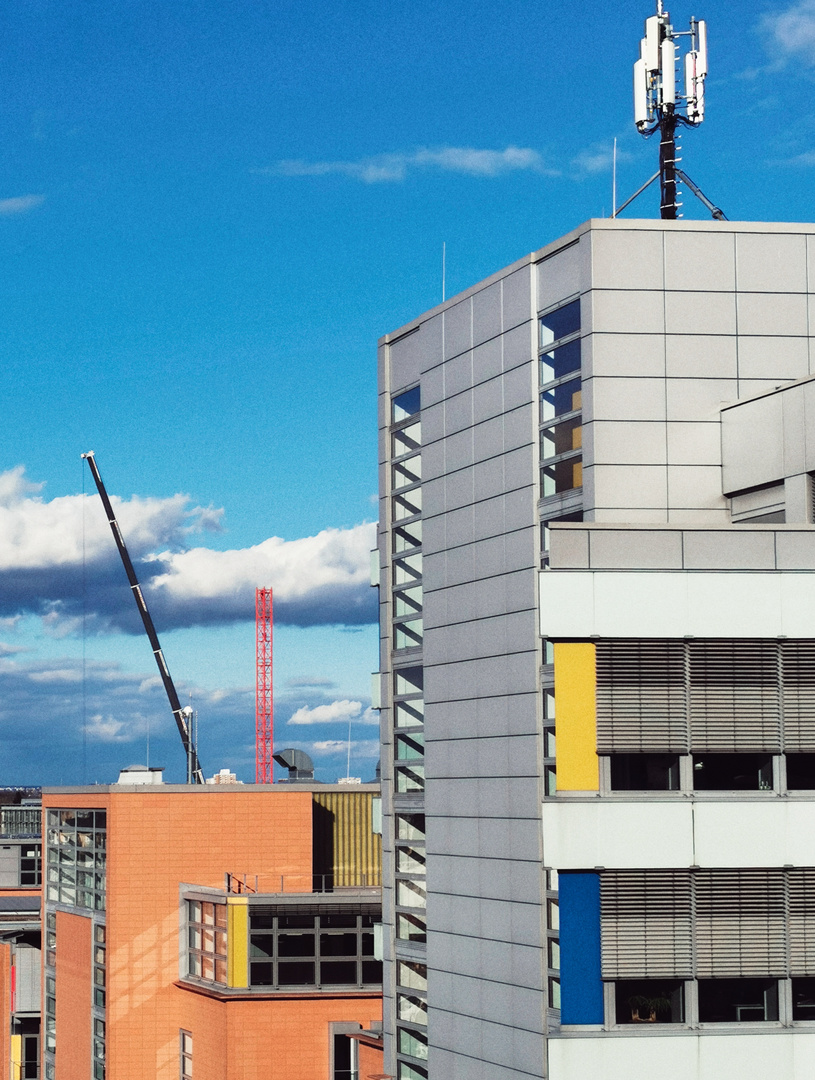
410 827
410 778
295 945
408 601
563 476
411 894
410 747
411 928
561 361
737 1000
408 471
405 506
334 973
561 399
413 1043
408 713
411 1008
407 635
561 438
557 324
406 404
295 974
410 860
407 536
411 1072
411 974
407 439
408 569
408 680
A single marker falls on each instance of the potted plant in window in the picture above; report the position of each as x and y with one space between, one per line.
646 1010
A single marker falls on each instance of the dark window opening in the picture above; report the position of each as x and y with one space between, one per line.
557 324
723 1001
561 361
344 1068
732 772
803 999
801 772
645 772
406 404
295 974
649 1001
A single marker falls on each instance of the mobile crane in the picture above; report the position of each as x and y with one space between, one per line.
183 717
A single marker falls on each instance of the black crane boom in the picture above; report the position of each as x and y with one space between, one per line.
194 773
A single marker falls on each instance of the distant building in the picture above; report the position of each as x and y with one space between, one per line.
597 587
216 932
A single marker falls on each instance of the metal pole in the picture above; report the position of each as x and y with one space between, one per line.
667 164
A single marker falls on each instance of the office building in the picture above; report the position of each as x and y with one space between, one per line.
596 572
210 931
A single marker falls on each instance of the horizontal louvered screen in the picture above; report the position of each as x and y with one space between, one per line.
801 900
641 700
646 924
798 660
740 923
734 696
706 696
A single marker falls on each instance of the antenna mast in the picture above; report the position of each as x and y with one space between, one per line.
660 107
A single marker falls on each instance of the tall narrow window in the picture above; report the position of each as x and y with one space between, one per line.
185 1047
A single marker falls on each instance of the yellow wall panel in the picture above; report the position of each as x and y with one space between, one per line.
237 941
578 767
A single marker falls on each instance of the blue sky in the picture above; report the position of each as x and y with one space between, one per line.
209 212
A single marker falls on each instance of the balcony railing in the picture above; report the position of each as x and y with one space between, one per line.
300 883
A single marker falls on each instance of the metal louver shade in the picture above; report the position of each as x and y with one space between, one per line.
798 659
740 923
734 696
641 697
646 924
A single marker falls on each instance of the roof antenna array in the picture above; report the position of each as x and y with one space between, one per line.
659 106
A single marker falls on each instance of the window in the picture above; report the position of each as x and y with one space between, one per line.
644 772
561 399
801 772
185 1054
723 1001
406 404
803 999
559 323
563 476
345 1058
408 634
561 438
206 940
327 950
559 362
647 1001
411 928
77 842
31 865
412 1043
732 772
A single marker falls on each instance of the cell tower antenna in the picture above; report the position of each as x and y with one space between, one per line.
264 708
661 106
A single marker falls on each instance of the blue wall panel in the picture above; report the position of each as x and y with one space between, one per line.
581 986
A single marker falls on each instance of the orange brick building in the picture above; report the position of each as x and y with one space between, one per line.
221 932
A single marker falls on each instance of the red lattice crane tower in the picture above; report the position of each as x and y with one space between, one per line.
264 707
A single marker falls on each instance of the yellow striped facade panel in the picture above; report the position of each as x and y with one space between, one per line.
345 846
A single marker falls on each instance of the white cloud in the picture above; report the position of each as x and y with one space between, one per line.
393 168
106 729
792 32
327 714
51 551
21 204
329 746
370 716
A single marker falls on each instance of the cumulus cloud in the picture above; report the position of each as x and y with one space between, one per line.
791 32
20 204
58 561
327 714
395 167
